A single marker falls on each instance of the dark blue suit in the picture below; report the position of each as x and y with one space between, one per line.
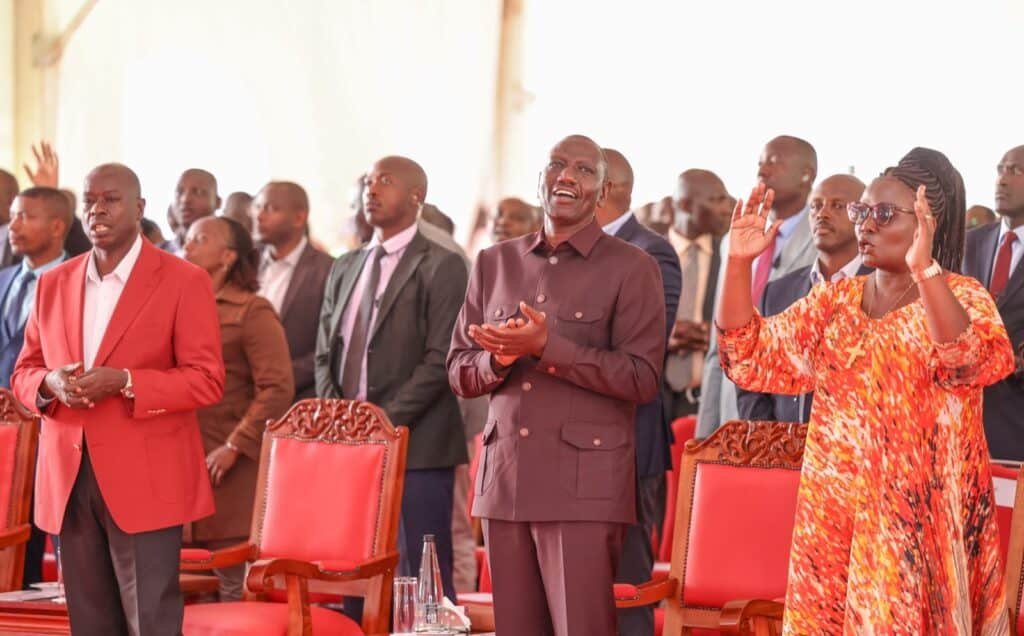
653 439
778 295
10 344
1004 400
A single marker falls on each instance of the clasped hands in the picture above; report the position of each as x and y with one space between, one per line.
79 389
515 338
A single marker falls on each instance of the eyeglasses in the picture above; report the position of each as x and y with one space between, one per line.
883 213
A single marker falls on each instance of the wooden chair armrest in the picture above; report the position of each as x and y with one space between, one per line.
199 560
15 535
647 593
736 614
262 572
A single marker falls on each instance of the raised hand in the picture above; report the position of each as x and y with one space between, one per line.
747 234
47 172
919 256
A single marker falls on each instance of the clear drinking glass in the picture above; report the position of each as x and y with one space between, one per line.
60 575
429 592
404 617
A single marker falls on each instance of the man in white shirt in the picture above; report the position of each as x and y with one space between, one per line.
833 235
292 273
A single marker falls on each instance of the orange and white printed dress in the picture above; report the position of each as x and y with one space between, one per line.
895 527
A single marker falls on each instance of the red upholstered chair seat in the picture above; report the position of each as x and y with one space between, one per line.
741 528
260 619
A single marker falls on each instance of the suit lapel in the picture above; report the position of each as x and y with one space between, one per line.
73 303
7 277
142 282
345 285
414 253
1013 285
628 229
985 256
798 244
298 281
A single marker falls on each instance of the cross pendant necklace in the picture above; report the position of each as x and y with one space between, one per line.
859 349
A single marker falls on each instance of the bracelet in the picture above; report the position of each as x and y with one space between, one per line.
232 447
931 271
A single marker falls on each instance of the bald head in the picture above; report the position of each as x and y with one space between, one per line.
788 165
619 176
237 208
700 204
395 189
122 175
195 197
8 190
112 207
845 186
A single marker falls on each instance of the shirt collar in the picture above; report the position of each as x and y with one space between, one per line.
846 271
680 243
123 269
45 267
1004 228
293 257
396 243
582 241
792 222
613 228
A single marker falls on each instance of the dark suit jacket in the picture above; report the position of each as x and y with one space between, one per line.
77 242
1004 400
9 347
300 313
408 344
653 431
778 295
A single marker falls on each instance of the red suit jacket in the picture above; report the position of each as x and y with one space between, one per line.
147 456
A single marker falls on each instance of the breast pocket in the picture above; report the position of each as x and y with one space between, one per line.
499 312
583 324
593 459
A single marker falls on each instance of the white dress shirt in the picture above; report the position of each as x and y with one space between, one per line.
846 271
101 296
394 247
1016 250
613 228
276 274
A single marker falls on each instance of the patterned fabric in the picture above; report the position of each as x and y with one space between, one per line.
895 529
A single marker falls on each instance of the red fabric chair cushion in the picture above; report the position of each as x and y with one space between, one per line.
260 619
741 527
329 521
8 448
660 571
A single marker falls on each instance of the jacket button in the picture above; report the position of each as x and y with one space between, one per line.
527 386
578 314
597 441
541 298
524 432
553 260
551 369
77 447
497 312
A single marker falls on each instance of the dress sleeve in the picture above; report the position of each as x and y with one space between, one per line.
774 355
982 354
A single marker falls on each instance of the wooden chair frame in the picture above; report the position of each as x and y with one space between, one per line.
1015 558
15 531
332 422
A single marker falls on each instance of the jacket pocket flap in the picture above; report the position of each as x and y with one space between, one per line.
593 436
500 312
569 313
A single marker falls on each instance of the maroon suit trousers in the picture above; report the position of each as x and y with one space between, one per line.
553 578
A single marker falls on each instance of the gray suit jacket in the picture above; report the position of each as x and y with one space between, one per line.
300 313
408 344
718 393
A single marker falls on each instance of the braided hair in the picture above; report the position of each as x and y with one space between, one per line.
944 189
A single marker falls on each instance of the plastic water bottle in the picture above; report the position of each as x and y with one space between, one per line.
429 591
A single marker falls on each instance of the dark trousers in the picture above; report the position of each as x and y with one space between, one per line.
553 578
116 582
34 551
638 555
426 509
682 403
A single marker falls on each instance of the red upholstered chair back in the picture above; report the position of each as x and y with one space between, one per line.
734 519
1015 560
19 436
1004 485
683 429
331 477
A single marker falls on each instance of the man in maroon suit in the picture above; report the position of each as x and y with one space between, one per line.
565 329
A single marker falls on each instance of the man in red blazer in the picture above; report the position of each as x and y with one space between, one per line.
121 348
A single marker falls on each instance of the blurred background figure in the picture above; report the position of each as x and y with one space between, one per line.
978 215
237 208
514 218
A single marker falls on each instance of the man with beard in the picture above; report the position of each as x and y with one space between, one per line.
565 370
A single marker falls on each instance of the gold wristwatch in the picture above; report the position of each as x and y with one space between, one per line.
928 272
128 391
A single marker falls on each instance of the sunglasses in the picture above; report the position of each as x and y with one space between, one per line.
883 213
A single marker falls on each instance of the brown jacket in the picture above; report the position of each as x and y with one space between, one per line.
258 386
559 440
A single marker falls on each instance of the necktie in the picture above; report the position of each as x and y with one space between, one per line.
355 348
1001 272
12 321
679 371
764 268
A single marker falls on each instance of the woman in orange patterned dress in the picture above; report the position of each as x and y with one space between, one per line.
895 530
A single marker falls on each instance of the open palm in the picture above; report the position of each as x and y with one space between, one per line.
747 234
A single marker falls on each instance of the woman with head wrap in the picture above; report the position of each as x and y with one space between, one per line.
895 529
